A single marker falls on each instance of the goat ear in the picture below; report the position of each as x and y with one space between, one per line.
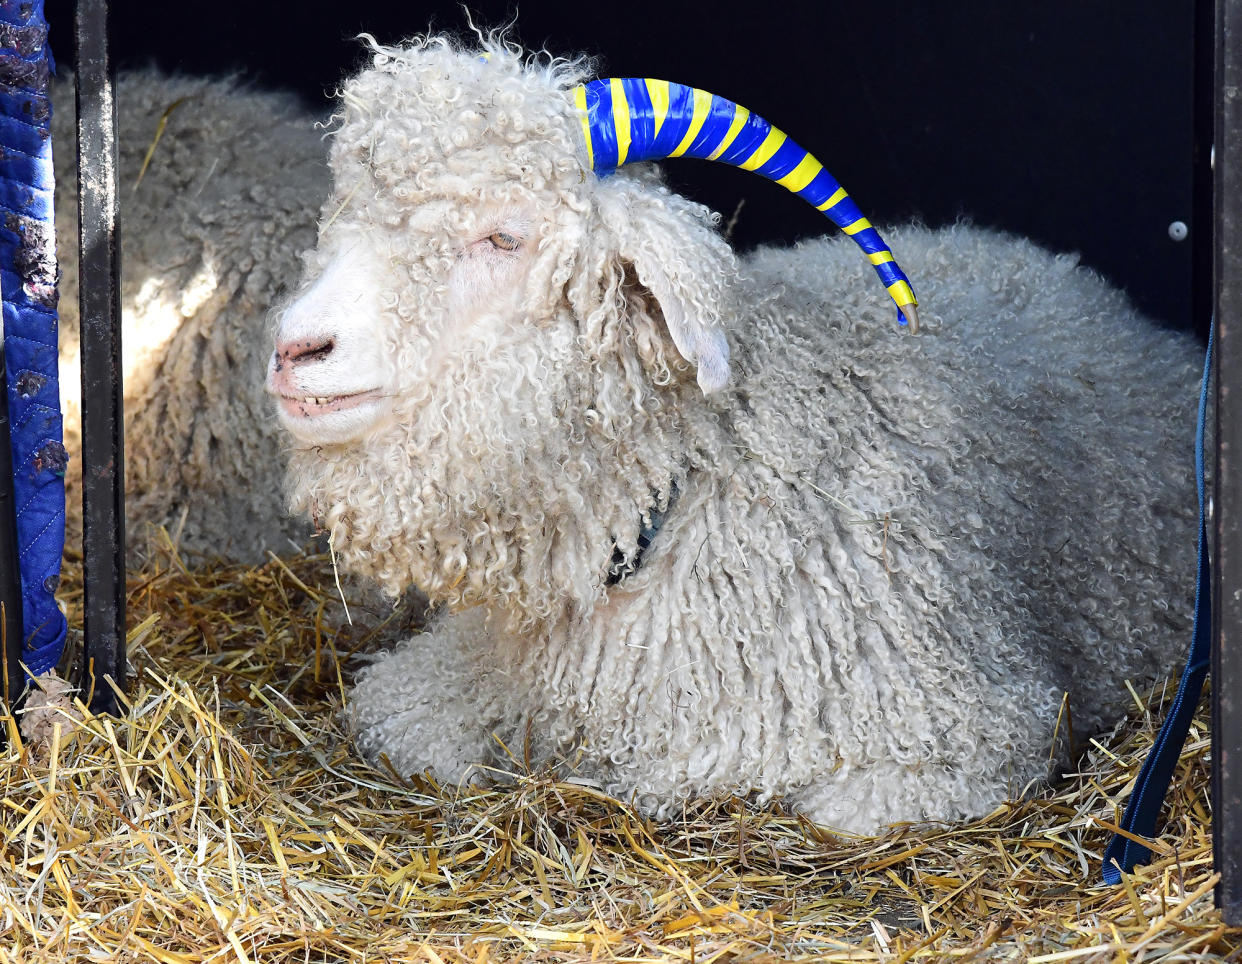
684 264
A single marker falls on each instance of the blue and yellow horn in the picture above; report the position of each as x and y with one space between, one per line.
634 119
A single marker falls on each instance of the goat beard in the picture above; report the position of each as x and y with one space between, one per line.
508 481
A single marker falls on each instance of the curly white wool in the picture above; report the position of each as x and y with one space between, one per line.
209 236
888 557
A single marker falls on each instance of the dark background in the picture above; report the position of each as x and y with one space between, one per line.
1069 122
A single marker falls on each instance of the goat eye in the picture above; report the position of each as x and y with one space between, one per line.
505 242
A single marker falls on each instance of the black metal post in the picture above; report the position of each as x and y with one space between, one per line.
103 466
10 574
1227 571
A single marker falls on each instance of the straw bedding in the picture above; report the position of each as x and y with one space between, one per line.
227 819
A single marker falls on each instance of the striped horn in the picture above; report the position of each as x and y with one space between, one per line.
625 120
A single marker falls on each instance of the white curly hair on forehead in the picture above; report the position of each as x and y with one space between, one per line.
710 527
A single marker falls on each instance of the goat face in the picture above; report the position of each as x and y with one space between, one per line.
338 362
326 369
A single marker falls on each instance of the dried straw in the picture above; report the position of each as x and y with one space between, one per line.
227 818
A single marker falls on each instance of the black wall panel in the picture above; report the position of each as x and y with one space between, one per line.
1069 122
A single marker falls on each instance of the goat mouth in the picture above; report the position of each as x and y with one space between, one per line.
313 406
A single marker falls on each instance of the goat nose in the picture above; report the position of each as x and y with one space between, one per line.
303 351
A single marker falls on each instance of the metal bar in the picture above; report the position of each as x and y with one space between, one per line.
103 492
1227 628
10 577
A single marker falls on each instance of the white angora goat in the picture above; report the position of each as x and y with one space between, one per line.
862 573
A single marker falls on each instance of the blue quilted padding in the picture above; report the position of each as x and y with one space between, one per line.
28 285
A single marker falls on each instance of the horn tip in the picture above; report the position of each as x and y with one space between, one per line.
909 314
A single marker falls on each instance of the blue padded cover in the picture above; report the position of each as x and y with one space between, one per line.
28 285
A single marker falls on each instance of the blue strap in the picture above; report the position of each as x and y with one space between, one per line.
28 287
1153 780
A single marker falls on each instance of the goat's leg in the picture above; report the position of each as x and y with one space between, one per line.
868 799
419 704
